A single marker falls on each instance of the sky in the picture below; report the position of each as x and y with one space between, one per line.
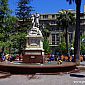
46 6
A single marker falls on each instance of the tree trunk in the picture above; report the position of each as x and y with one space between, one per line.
77 33
66 39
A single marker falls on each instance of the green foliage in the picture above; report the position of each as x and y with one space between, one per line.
82 48
23 10
46 31
46 46
17 39
10 23
5 44
62 46
23 13
83 37
65 18
4 10
82 45
1 36
12 36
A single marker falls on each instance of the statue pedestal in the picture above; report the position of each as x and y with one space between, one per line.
34 52
33 56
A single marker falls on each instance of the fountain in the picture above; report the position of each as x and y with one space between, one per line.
33 58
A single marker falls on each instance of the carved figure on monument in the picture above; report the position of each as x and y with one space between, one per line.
35 25
35 20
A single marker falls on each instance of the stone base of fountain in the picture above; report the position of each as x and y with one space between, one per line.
23 68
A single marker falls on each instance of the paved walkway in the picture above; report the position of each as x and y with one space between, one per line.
82 63
82 66
62 79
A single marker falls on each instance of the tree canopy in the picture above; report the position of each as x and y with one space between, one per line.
11 34
64 20
23 10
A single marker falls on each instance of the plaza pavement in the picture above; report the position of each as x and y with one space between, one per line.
82 66
61 79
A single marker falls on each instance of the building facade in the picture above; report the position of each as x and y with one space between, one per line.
56 33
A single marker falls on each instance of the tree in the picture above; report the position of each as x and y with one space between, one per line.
7 31
82 45
4 10
23 11
62 48
45 31
4 13
18 41
46 46
64 19
82 48
77 30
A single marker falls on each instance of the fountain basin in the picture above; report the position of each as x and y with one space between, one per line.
22 68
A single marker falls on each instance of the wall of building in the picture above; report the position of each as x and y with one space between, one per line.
56 32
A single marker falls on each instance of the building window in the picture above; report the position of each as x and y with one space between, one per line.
70 37
53 22
53 16
80 33
55 39
61 29
55 29
45 16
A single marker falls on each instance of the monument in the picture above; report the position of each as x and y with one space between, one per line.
34 52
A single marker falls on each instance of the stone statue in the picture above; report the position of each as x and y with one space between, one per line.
35 20
35 25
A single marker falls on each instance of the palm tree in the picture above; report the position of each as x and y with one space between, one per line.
64 19
77 30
